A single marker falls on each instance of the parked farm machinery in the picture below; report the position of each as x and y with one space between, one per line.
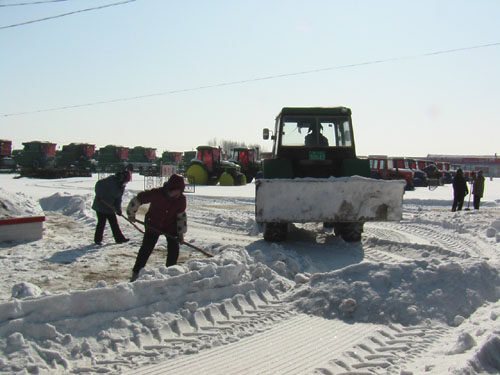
209 169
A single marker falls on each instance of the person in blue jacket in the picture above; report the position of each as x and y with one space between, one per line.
108 203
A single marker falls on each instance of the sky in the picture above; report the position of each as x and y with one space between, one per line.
409 104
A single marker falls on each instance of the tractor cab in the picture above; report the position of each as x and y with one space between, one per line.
246 158
313 142
210 156
243 156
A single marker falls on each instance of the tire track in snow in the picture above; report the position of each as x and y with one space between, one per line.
383 352
224 323
431 239
284 349
448 239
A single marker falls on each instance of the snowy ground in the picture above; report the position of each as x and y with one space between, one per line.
416 297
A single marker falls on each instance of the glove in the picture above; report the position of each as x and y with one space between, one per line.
180 237
132 208
119 212
181 223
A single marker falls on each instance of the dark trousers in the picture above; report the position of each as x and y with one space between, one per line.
101 223
148 244
477 200
458 202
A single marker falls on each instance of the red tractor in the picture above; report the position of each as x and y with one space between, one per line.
7 163
247 159
385 168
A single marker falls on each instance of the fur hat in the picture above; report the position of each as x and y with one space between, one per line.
124 176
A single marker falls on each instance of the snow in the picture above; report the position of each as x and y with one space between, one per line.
415 297
346 198
17 205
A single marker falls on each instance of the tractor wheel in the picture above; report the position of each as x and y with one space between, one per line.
226 179
197 175
275 232
350 232
242 179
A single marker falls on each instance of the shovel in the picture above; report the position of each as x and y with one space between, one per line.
155 229
114 210
208 254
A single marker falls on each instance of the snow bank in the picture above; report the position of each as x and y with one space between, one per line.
16 205
76 331
77 206
406 293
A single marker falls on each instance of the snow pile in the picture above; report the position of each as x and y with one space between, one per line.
78 330
25 290
406 293
488 355
17 205
78 206
471 348
494 230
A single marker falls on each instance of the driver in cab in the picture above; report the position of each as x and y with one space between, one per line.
314 136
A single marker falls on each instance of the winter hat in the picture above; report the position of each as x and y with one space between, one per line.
124 176
175 182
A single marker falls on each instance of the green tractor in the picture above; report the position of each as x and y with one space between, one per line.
37 155
143 160
172 157
315 176
37 160
209 169
76 159
112 159
247 159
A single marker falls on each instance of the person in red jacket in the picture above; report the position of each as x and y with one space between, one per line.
166 215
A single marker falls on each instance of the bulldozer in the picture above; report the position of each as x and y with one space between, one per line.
209 169
315 176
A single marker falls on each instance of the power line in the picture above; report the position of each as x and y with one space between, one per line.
257 79
33 3
66 14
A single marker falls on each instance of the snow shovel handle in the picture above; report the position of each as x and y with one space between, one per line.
114 210
175 238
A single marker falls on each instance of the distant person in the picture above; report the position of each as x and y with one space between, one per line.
108 203
315 138
460 190
478 189
166 215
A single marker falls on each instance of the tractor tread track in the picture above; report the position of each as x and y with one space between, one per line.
384 352
441 242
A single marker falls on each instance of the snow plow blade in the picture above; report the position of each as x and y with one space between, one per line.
343 199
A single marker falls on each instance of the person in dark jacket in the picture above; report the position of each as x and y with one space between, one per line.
108 203
478 189
460 190
166 215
